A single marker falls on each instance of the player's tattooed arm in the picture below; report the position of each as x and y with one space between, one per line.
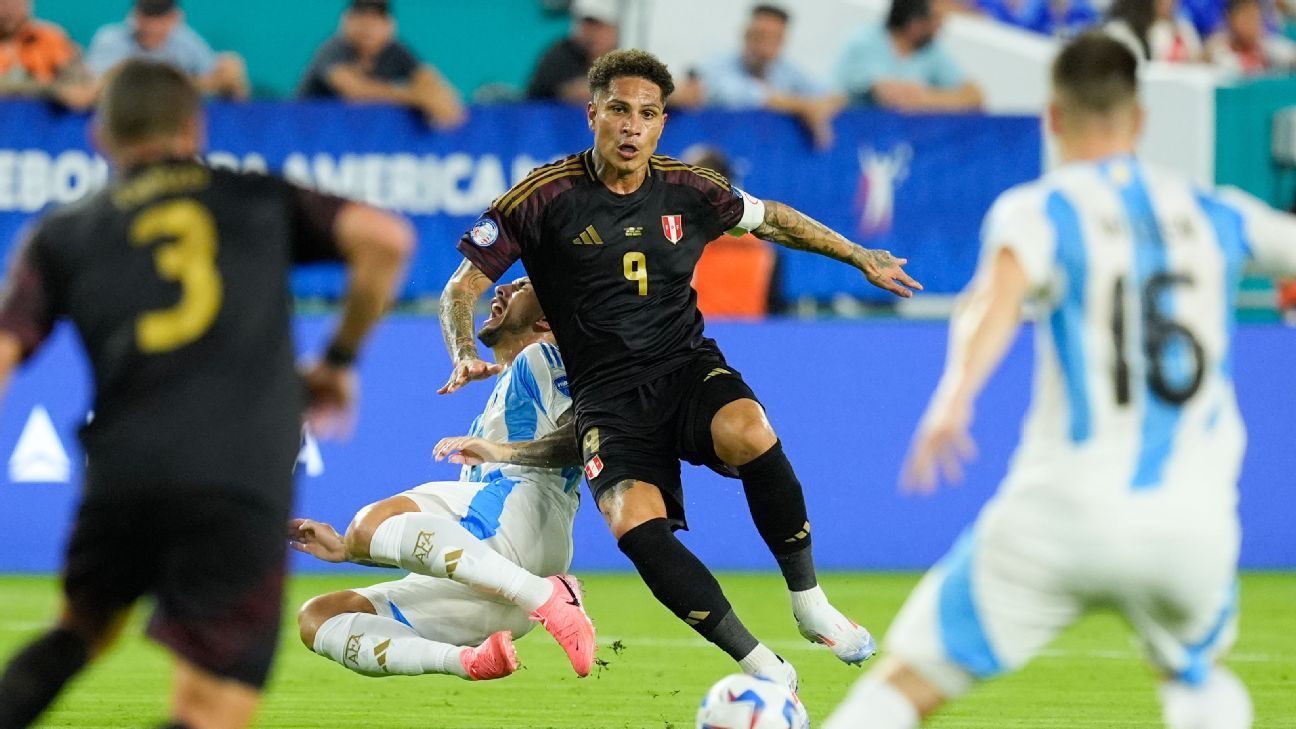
791 228
559 449
458 302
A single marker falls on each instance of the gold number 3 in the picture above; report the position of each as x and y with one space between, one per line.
636 269
185 235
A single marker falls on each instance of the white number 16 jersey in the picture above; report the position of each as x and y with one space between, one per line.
1138 273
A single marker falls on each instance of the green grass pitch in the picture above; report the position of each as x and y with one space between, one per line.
657 670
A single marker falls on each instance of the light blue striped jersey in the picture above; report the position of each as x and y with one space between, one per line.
1137 273
529 396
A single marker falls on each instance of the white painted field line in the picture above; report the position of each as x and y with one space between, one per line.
25 624
787 646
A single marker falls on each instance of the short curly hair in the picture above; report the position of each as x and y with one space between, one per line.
629 62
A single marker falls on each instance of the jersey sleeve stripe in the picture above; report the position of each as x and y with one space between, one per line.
554 355
533 181
536 188
666 164
535 177
548 357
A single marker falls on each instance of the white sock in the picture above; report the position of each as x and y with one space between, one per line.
434 545
372 645
1221 702
760 656
806 600
874 704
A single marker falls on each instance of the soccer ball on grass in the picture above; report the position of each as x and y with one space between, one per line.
741 701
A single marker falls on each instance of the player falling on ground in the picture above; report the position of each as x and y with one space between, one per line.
474 546
176 279
610 238
1123 492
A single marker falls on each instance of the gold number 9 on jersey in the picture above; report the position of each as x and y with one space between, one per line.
636 269
185 235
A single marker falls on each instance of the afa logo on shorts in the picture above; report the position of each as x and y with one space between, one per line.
484 233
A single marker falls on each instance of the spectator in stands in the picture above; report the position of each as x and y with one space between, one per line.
156 29
1207 16
1155 30
1059 18
560 74
759 76
1244 46
37 59
732 279
365 62
902 66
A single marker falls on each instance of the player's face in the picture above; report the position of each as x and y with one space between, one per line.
627 123
514 310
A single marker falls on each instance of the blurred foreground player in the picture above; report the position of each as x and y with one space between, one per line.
488 551
610 238
1123 491
176 279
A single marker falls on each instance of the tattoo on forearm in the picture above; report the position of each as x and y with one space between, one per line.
791 228
559 449
457 306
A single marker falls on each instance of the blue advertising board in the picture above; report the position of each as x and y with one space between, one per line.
843 395
918 185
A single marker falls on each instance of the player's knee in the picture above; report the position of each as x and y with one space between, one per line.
319 609
359 533
741 432
629 504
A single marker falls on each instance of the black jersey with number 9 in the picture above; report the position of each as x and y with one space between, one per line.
613 272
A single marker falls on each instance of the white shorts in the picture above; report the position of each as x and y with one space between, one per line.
1026 569
528 525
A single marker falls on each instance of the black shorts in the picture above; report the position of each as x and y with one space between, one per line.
642 434
214 564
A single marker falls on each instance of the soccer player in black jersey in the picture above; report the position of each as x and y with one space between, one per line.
610 238
175 277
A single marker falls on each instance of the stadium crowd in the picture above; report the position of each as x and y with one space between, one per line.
898 64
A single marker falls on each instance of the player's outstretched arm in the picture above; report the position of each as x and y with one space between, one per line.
458 301
981 329
791 228
558 449
376 246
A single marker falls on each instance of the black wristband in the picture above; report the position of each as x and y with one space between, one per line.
338 356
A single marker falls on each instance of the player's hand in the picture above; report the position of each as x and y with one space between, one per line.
941 446
884 271
469 450
317 539
333 394
466 371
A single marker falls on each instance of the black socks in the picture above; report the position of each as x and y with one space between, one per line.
35 676
679 580
778 509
